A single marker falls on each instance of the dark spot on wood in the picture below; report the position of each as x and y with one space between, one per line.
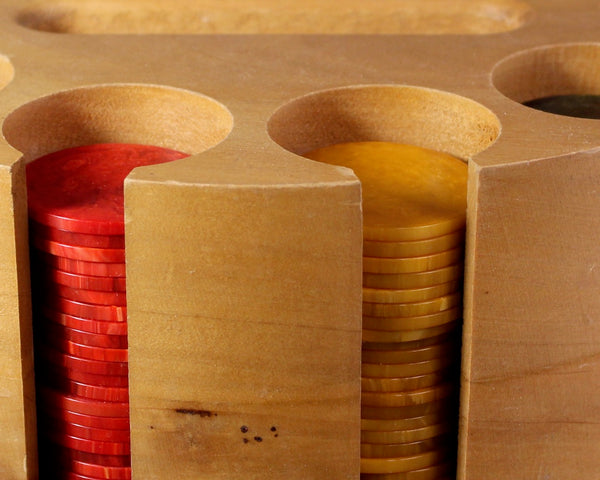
273 429
193 411
246 440
258 439
276 435
244 429
151 427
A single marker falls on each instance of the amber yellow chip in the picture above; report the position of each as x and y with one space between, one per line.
413 280
408 434
443 471
418 248
367 411
400 384
405 399
403 464
381 336
380 450
371 428
384 295
412 309
413 264
387 370
409 193
393 324
398 355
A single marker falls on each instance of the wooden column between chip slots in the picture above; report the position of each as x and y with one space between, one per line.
244 289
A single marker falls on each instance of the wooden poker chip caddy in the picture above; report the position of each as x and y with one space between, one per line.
244 260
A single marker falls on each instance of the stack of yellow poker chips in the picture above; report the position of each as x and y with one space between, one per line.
414 206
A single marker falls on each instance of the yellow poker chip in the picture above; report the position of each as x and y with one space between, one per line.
413 280
392 324
409 193
379 450
445 471
418 248
404 399
401 384
413 264
381 336
408 435
394 370
384 295
409 411
369 425
400 355
412 309
412 345
403 464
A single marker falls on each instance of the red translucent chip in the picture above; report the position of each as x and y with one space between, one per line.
86 351
53 331
94 421
81 267
99 472
96 367
83 282
86 254
93 392
106 472
89 296
74 238
81 189
50 424
78 470
85 406
49 372
85 324
108 313
89 446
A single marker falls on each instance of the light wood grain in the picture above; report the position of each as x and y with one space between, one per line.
244 259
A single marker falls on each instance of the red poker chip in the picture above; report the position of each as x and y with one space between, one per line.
81 267
85 406
71 362
86 351
69 454
84 390
53 331
50 424
74 238
86 254
49 371
92 421
79 470
81 189
89 296
89 446
84 282
85 324
105 472
108 313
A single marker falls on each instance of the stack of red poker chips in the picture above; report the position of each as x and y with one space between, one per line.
77 247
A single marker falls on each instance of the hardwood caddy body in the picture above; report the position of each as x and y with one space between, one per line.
244 260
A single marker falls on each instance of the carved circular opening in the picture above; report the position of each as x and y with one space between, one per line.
118 113
419 116
561 79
